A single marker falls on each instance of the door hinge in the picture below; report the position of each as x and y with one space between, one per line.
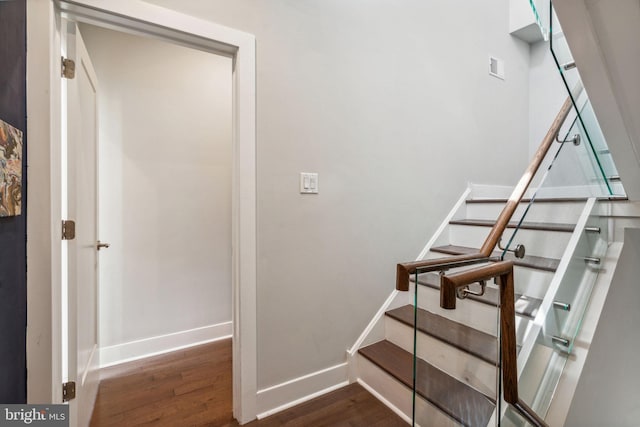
68 68
68 391
68 230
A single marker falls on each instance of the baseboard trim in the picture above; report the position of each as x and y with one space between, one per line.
382 399
283 396
139 349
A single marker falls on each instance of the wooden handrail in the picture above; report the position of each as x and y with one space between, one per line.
405 270
503 271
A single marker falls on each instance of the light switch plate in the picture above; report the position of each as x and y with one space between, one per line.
308 183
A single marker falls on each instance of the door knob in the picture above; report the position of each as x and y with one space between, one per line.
101 245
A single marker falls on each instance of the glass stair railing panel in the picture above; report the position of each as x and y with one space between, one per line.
541 13
569 170
569 175
590 129
561 315
601 149
577 170
563 322
455 355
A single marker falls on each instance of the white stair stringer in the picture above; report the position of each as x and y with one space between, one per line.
547 302
534 356
568 381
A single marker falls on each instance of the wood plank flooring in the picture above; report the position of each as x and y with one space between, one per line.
192 387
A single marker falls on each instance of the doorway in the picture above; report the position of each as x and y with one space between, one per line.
140 18
164 194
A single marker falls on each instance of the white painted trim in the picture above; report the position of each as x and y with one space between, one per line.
379 315
43 217
140 349
94 352
570 376
44 348
547 302
285 395
382 399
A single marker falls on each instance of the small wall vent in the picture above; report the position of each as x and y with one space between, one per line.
496 67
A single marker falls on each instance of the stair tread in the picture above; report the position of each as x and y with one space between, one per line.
530 261
545 200
542 226
526 306
527 200
456 399
463 337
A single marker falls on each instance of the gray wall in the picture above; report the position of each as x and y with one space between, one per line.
547 93
391 103
608 393
165 186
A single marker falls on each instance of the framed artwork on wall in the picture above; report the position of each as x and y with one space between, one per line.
10 170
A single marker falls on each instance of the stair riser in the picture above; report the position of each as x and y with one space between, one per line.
400 396
549 244
459 364
560 212
528 281
477 315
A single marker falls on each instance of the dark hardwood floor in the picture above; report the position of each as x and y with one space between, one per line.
192 387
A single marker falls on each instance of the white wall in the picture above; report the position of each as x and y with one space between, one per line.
607 393
547 93
165 190
391 103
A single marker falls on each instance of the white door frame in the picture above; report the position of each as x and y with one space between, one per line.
44 191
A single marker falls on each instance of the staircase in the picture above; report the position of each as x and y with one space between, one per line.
457 350
460 366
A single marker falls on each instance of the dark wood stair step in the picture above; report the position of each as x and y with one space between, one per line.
529 261
463 337
526 306
537 200
456 399
546 200
541 226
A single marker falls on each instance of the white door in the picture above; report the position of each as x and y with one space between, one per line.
82 186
